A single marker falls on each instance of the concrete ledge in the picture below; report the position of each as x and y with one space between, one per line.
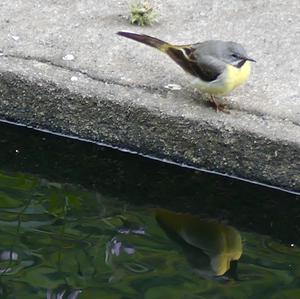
63 68
262 149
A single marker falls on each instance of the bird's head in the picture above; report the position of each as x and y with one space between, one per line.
235 54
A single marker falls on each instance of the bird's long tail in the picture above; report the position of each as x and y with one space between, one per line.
146 39
179 53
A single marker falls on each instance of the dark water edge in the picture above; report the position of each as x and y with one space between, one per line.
145 182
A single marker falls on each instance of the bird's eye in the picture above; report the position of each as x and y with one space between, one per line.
234 55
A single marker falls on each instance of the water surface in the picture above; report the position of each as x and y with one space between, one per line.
83 221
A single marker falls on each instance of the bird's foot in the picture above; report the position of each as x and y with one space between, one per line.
218 106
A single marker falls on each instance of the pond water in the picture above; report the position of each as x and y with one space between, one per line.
83 221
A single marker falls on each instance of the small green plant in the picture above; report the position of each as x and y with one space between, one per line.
141 13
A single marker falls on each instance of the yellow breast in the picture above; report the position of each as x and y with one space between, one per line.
229 80
237 76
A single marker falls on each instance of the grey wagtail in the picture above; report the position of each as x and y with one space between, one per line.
218 66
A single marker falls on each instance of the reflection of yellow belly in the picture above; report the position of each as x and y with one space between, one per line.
232 78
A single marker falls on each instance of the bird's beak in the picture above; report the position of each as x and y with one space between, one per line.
250 59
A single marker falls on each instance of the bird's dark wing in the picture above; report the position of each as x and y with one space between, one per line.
204 67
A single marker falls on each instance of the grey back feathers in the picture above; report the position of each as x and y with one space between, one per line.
225 51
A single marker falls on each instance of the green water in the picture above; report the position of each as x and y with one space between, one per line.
78 221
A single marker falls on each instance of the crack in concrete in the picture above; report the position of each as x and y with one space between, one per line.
96 78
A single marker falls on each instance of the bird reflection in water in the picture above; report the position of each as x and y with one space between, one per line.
211 247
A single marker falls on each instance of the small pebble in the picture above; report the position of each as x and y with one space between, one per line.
173 87
15 37
69 57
